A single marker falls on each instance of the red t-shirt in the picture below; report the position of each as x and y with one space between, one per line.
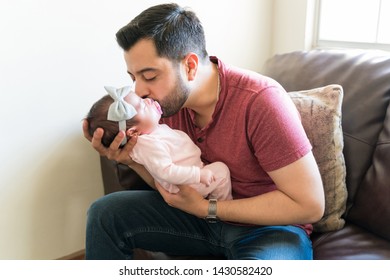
255 128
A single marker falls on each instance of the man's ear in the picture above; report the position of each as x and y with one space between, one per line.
191 63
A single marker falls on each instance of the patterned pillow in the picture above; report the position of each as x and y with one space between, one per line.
320 111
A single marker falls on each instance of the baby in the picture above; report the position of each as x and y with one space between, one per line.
169 155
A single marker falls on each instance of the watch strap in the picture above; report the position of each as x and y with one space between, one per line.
212 211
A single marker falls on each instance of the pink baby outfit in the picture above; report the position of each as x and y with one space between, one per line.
173 159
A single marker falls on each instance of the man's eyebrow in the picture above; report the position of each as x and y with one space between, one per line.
148 69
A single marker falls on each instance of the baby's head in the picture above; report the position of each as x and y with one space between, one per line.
97 118
123 109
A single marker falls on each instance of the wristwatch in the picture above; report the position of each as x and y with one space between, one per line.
212 212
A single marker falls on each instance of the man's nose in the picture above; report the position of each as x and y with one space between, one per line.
141 89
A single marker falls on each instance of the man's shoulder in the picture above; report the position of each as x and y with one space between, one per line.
246 79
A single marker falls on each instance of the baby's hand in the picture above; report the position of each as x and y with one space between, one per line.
206 176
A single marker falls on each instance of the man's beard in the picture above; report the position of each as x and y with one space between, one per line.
172 103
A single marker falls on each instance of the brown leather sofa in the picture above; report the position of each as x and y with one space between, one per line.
365 78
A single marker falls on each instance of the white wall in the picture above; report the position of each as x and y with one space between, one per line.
292 25
55 57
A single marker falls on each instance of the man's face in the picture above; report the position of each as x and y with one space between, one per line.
156 77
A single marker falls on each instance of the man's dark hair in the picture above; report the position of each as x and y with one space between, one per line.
175 31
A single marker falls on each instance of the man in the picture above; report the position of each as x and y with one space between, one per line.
235 116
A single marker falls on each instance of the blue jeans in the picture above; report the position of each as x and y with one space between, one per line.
121 221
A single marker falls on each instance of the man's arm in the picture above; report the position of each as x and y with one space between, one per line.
143 173
299 199
114 153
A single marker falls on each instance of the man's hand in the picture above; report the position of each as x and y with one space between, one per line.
187 200
113 152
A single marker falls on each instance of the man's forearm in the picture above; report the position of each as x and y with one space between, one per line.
274 208
143 173
299 198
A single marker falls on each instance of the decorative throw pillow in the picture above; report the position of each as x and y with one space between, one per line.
320 111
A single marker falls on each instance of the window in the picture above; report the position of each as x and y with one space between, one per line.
354 23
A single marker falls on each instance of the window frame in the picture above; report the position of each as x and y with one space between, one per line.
333 44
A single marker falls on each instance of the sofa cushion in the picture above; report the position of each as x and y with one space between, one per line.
350 243
365 78
372 202
320 110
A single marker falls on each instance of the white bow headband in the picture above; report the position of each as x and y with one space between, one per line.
120 110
